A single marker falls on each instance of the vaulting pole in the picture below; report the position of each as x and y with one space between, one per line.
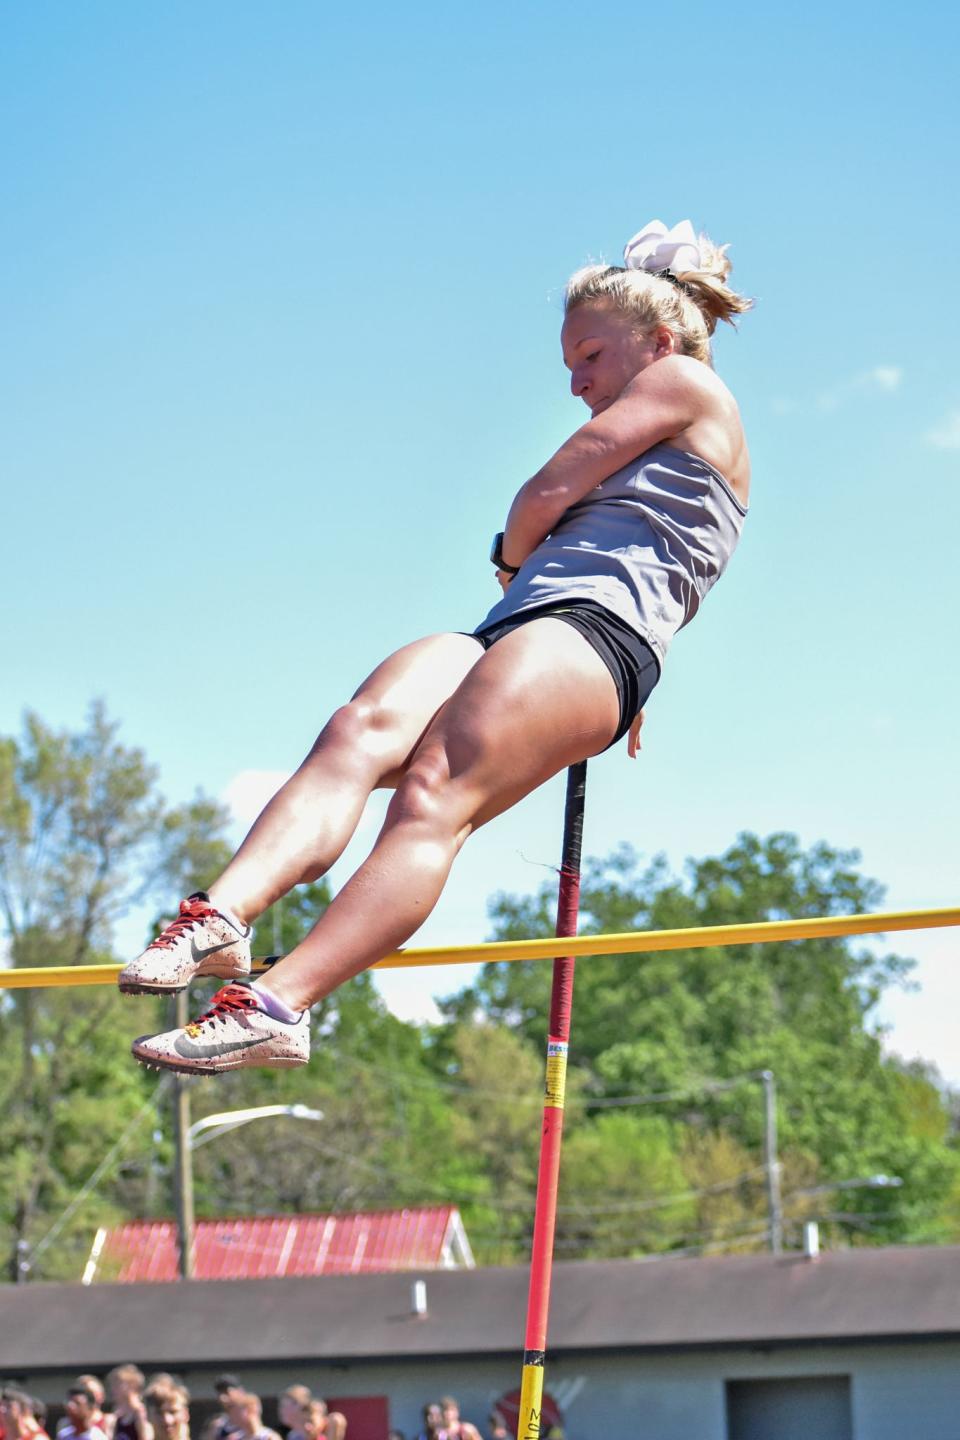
558 1037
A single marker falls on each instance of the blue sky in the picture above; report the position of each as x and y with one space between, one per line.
280 296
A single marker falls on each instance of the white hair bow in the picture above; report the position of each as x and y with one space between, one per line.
656 248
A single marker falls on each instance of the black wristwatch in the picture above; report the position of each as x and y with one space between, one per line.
496 555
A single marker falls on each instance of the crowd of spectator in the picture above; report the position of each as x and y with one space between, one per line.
134 1407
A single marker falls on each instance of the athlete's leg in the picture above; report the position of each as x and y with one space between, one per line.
539 700
365 745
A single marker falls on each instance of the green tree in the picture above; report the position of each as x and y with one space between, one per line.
192 848
670 1023
83 836
450 1113
623 1190
496 1098
388 1135
284 925
728 1186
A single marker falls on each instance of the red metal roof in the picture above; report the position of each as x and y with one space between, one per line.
260 1247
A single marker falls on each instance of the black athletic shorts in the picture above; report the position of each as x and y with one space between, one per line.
629 659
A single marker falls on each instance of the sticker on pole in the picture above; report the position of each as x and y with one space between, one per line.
556 1085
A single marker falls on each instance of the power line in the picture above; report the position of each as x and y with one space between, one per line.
760 1236
653 1202
655 1097
660 1097
731 1233
660 1201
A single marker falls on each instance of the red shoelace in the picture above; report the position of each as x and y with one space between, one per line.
192 912
230 998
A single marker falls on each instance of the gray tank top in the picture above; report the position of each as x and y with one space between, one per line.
647 543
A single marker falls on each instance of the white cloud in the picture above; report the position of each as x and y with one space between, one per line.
409 997
922 1021
946 436
879 380
248 792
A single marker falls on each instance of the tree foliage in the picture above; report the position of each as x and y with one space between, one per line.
664 1146
674 1024
84 835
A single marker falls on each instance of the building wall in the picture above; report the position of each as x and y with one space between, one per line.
898 1391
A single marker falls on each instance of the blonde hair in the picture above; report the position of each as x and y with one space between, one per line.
689 303
164 1391
300 1395
131 1373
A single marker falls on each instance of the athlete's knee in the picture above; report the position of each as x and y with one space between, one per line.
437 794
424 790
363 727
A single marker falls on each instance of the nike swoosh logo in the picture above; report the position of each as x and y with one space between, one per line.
191 1051
211 950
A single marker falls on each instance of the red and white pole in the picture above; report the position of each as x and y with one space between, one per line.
558 1039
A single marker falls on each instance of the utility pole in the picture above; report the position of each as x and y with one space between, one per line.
183 1170
771 1163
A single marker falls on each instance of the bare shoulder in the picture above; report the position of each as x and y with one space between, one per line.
715 429
683 380
695 377
671 373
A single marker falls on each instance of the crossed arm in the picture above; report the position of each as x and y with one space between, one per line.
658 404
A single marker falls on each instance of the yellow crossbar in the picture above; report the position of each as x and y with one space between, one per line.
629 942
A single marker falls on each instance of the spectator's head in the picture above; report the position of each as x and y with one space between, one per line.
94 1384
497 1427
227 1386
293 1405
124 1383
246 1412
450 1410
39 1412
168 1409
231 1395
235 1407
315 1420
81 1407
432 1418
16 1411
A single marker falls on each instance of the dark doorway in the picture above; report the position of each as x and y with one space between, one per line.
790 1409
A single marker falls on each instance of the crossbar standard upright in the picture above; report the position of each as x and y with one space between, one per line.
548 1175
